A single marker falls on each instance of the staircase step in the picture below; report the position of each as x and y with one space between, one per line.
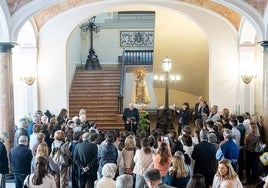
94 78
99 72
102 120
88 99
99 92
110 73
101 83
94 86
100 106
106 100
100 109
92 93
93 102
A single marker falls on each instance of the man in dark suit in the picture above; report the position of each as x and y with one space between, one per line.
86 158
20 159
204 155
154 179
241 128
3 159
197 106
131 118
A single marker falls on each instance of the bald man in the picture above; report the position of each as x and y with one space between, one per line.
131 118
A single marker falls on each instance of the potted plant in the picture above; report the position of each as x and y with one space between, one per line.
144 123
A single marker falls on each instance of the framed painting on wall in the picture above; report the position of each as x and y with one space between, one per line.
136 38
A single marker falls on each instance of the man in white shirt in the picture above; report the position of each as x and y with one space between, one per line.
246 122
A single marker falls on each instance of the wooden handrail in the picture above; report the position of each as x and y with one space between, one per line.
122 83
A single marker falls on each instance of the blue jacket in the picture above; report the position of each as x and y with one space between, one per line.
30 128
228 150
107 154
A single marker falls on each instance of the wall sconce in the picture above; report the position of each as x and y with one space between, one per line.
28 78
247 75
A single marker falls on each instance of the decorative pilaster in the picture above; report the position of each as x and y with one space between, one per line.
6 93
265 88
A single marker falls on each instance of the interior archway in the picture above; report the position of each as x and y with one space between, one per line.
24 65
4 32
55 56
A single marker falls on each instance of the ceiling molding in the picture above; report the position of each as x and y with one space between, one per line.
250 13
43 11
43 16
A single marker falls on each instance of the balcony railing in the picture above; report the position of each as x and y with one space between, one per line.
137 57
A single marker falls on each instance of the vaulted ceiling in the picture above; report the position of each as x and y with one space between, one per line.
46 14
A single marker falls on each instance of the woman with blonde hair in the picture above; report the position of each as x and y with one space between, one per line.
128 153
225 174
162 159
179 173
43 151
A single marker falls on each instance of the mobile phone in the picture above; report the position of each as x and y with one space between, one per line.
166 139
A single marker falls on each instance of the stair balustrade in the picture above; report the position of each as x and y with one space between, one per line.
137 57
122 82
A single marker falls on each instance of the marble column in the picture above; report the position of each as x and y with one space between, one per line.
6 93
265 88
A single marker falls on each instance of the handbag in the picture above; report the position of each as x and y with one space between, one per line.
26 185
258 146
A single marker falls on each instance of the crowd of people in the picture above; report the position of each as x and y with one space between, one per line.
218 151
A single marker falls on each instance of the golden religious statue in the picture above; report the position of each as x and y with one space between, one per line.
140 92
